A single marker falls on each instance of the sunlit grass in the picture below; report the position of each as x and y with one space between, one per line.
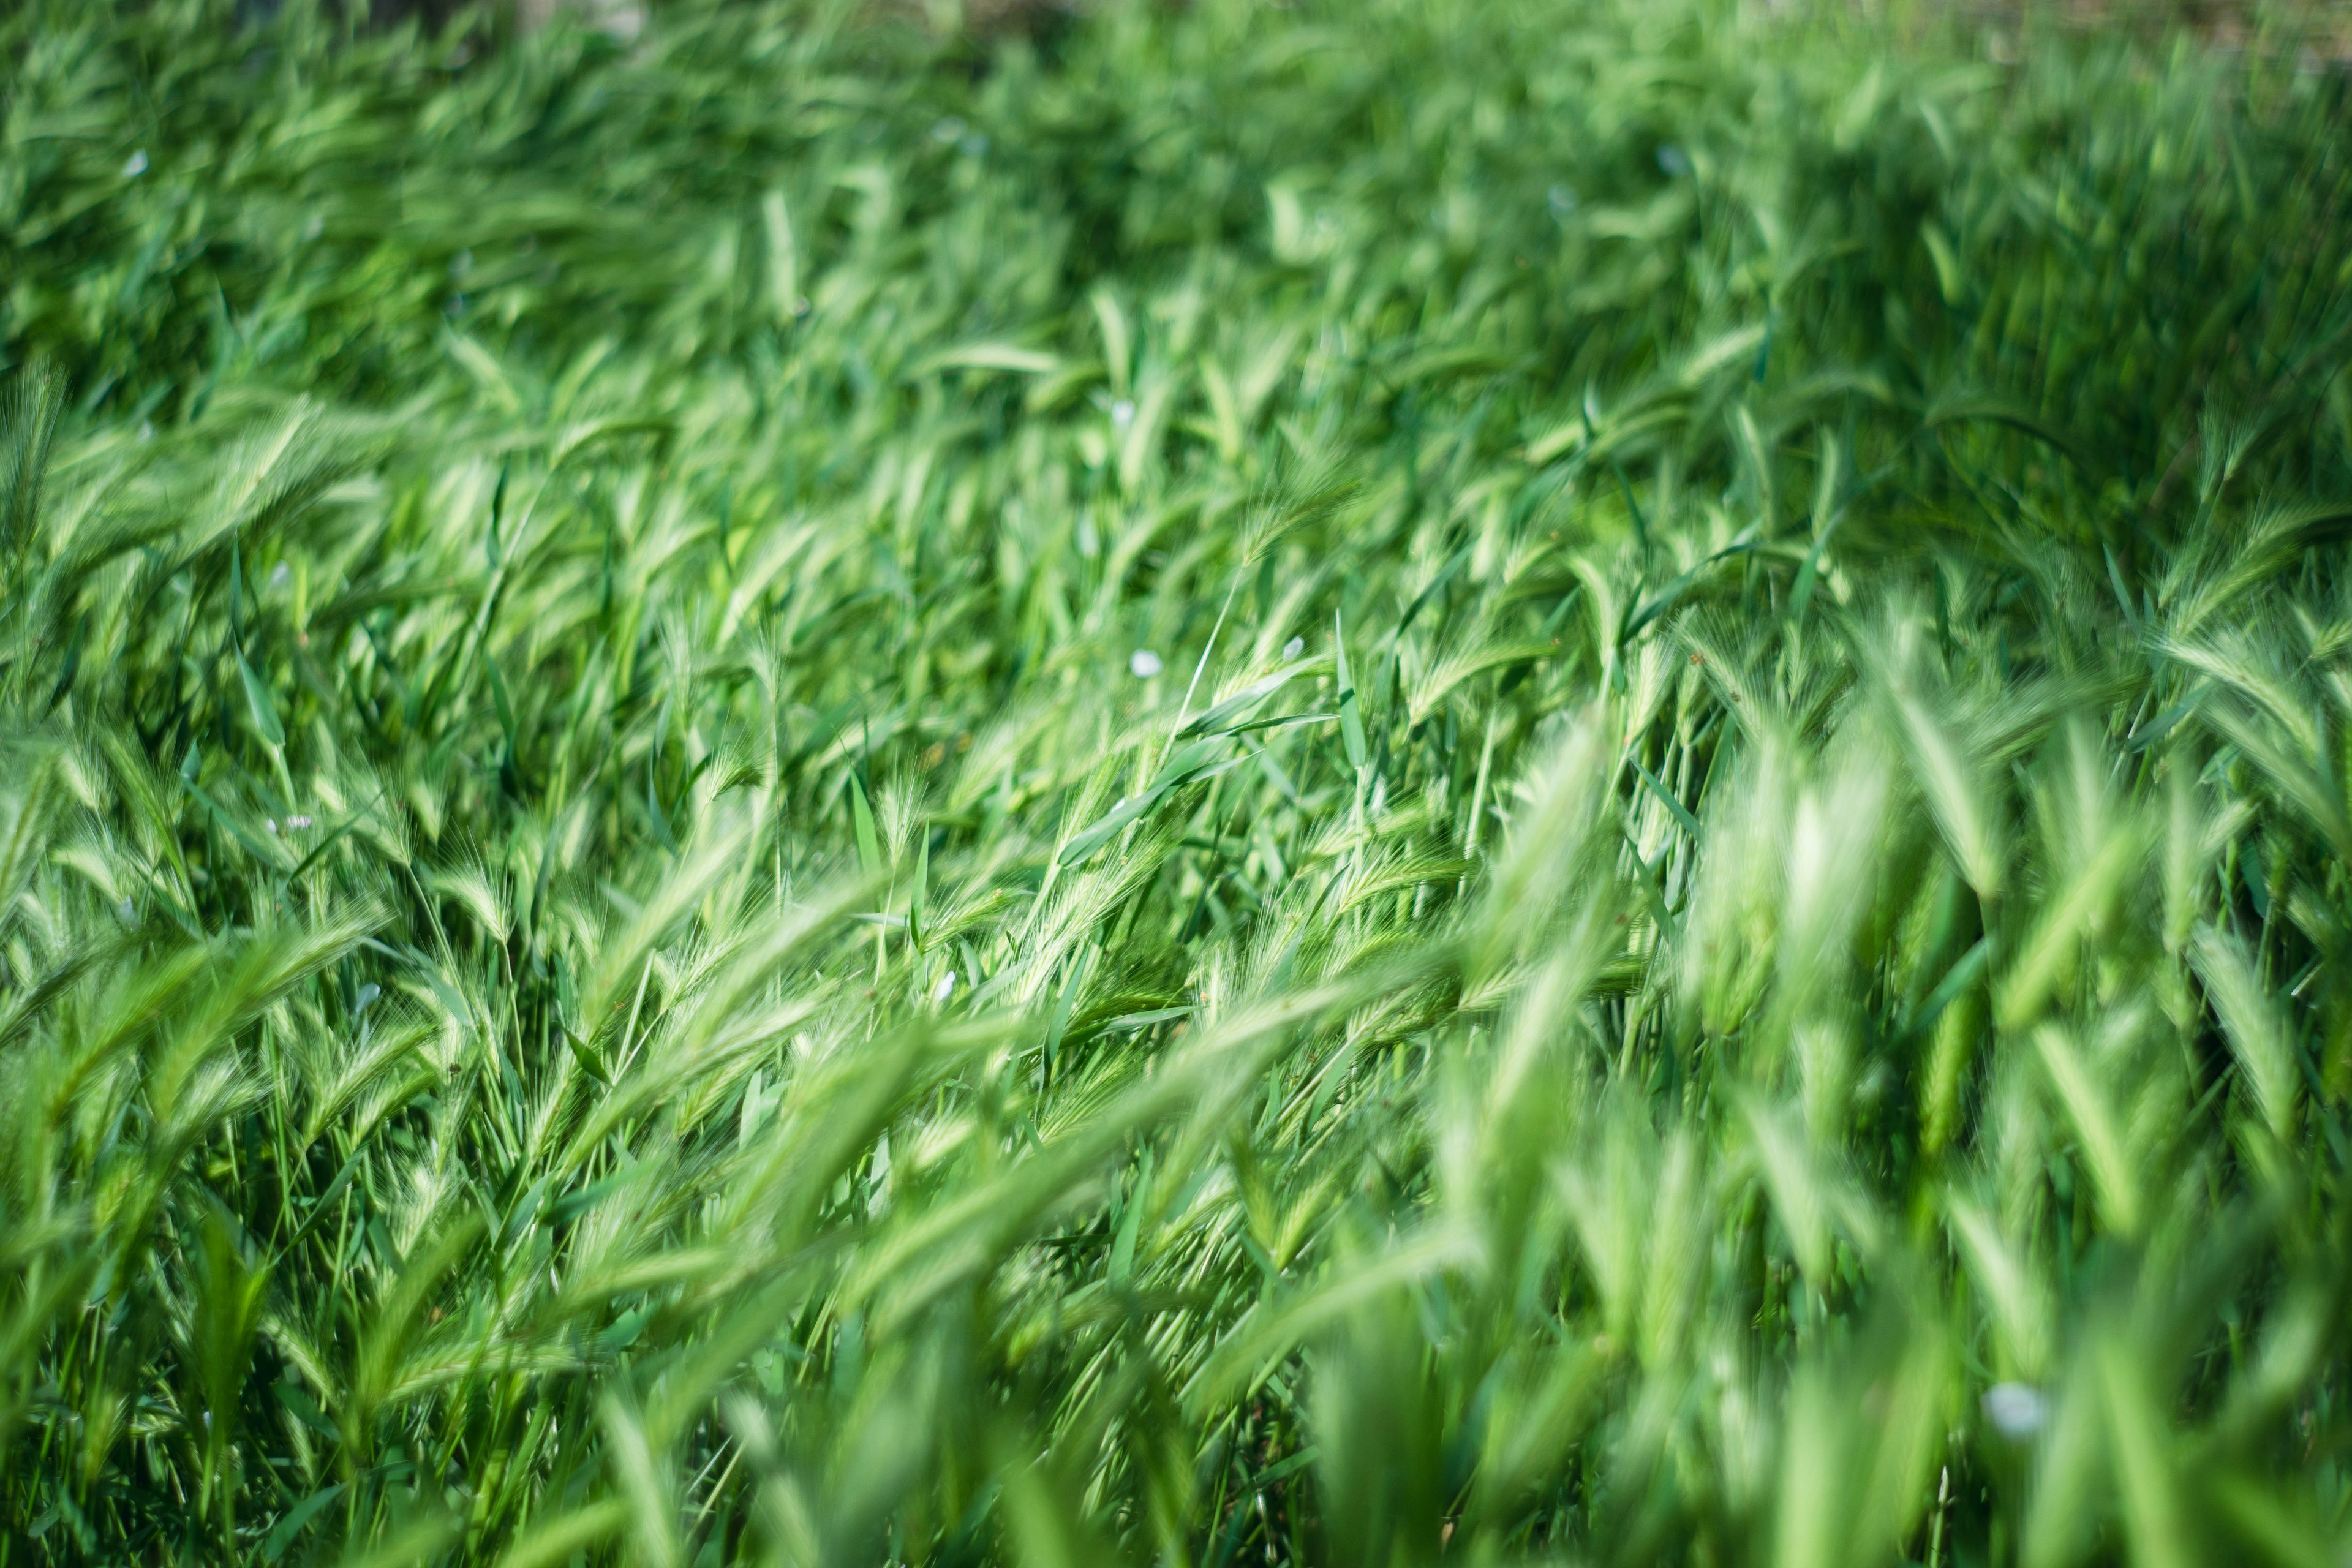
1339 784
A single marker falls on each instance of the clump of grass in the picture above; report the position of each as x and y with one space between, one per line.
1712 931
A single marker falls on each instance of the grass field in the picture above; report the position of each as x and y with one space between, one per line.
1550 779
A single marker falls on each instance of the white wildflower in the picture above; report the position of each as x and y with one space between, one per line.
2015 1410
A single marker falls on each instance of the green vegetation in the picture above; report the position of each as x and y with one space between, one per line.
1721 936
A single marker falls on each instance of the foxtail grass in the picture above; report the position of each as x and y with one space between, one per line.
1351 783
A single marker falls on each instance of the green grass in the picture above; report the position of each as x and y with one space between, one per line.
1722 937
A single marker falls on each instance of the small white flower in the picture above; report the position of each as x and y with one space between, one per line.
367 996
1122 412
1143 664
2015 1410
128 911
945 988
280 574
146 429
271 823
296 824
1562 199
135 165
1294 648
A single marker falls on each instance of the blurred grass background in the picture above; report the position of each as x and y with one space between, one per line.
2318 23
1552 780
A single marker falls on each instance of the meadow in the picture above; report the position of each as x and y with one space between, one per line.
1551 780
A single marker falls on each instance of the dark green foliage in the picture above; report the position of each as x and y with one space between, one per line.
1509 781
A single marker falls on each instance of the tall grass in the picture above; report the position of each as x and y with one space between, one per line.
1532 780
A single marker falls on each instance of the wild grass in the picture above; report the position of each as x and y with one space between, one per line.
1527 780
